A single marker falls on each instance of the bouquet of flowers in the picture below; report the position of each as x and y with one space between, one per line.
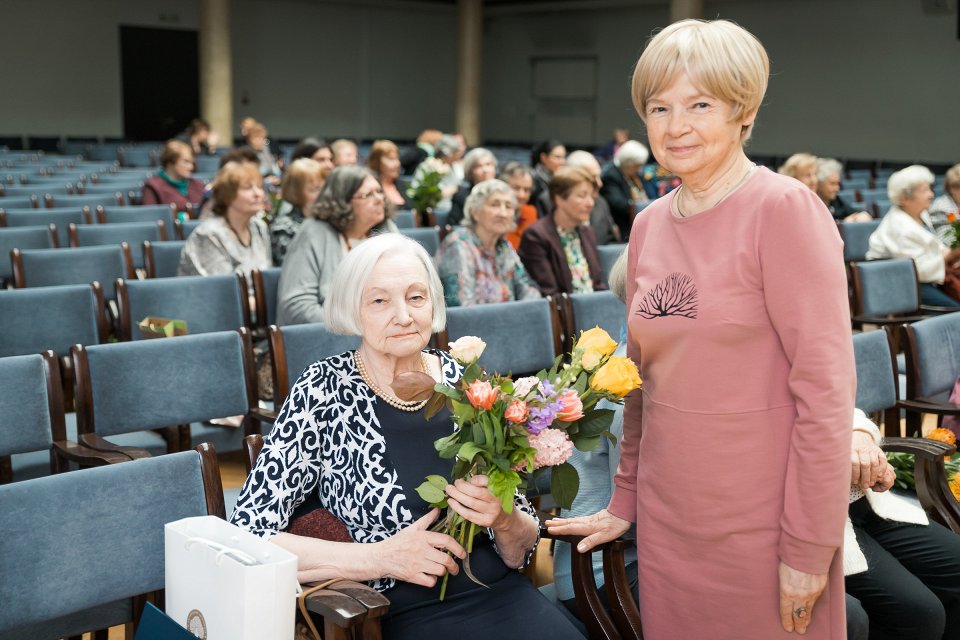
509 429
954 221
903 464
425 191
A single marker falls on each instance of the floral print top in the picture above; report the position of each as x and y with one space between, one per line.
579 269
470 275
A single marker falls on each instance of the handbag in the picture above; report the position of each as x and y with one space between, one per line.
225 583
951 282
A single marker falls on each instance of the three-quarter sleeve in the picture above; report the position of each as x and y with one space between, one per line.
805 293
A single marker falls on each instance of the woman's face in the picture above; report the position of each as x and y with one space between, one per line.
576 207
522 185
182 168
829 187
919 201
485 169
311 190
495 216
390 166
808 176
249 199
324 156
368 207
396 312
691 131
556 158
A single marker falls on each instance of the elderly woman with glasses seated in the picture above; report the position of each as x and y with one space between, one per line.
477 264
349 210
344 437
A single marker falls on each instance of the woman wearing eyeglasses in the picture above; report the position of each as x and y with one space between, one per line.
350 209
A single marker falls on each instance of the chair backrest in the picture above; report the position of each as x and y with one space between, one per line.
143 156
80 265
18 202
57 188
185 227
132 233
295 347
62 218
93 200
429 237
161 259
609 253
141 213
31 405
206 303
932 349
125 387
522 336
885 287
266 283
405 218
51 318
75 541
583 311
207 164
856 239
38 237
876 372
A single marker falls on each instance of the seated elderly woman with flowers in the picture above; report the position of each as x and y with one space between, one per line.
345 436
477 264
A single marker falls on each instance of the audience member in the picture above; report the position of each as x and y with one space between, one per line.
560 250
240 154
174 184
828 188
315 149
519 177
623 185
601 220
384 161
906 232
478 165
411 157
269 169
349 209
445 151
198 135
345 152
803 167
607 152
946 204
456 162
301 185
476 264
546 158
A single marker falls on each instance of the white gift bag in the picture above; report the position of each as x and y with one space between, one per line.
224 583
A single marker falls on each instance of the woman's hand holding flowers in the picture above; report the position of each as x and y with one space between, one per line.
418 555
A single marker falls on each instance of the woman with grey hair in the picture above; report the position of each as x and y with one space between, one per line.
349 209
348 439
623 184
828 188
906 232
446 152
478 165
477 264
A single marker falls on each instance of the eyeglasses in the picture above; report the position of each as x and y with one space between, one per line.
369 194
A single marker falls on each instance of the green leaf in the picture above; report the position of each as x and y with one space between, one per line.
595 422
477 431
450 392
587 444
464 411
433 491
564 484
503 484
471 373
612 438
468 450
581 384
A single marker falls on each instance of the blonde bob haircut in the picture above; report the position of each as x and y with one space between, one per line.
720 58
341 311
231 177
301 173
795 164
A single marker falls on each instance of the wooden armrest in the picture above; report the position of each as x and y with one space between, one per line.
935 309
926 405
97 443
336 608
376 603
85 456
263 415
884 320
923 447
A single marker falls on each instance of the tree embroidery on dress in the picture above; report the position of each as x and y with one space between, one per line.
676 295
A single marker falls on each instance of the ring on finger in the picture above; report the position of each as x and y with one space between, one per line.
800 612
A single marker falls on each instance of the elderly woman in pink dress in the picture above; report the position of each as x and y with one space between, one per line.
742 335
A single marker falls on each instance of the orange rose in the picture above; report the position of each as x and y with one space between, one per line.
516 412
943 435
571 408
951 217
481 395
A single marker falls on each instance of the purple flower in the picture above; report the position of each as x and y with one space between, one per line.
543 417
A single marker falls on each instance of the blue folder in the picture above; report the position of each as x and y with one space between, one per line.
156 625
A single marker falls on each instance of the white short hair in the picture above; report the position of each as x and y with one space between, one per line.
631 152
827 167
902 183
341 312
479 194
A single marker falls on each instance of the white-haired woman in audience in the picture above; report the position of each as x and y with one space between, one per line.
946 204
803 167
234 239
476 263
384 161
300 188
624 186
828 188
349 210
730 360
344 437
478 165
444 152
907 232
175 183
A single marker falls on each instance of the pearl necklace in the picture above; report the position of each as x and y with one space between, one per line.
389 398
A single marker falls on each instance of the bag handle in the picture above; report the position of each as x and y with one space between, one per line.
302 604
223 550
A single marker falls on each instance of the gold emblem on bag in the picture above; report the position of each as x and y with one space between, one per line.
196 624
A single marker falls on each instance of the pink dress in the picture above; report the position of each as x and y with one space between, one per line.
736 455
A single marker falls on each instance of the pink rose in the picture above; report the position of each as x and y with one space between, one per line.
553 447
571 408
481 395
516 412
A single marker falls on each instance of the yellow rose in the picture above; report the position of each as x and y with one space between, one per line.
617 377
596 345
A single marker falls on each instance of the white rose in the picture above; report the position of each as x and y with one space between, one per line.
523 386
467 349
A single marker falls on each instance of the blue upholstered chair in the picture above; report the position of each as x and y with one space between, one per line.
93 200
856 239
139 156
184 228
38 237
125 389
111 188
161 259
522 337
143 213
405 218
932 350
83 549
51 318
609 253
62 218
18 202
877 385
885 292
429 237
134 234
206 303
80 265
266 283
295 347
583 311
56 188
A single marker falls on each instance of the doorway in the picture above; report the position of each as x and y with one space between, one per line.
160 80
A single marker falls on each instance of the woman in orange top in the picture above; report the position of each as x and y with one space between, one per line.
518 176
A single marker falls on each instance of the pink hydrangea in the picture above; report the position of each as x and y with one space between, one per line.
553 447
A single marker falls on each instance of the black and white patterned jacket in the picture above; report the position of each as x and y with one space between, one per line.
327 439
